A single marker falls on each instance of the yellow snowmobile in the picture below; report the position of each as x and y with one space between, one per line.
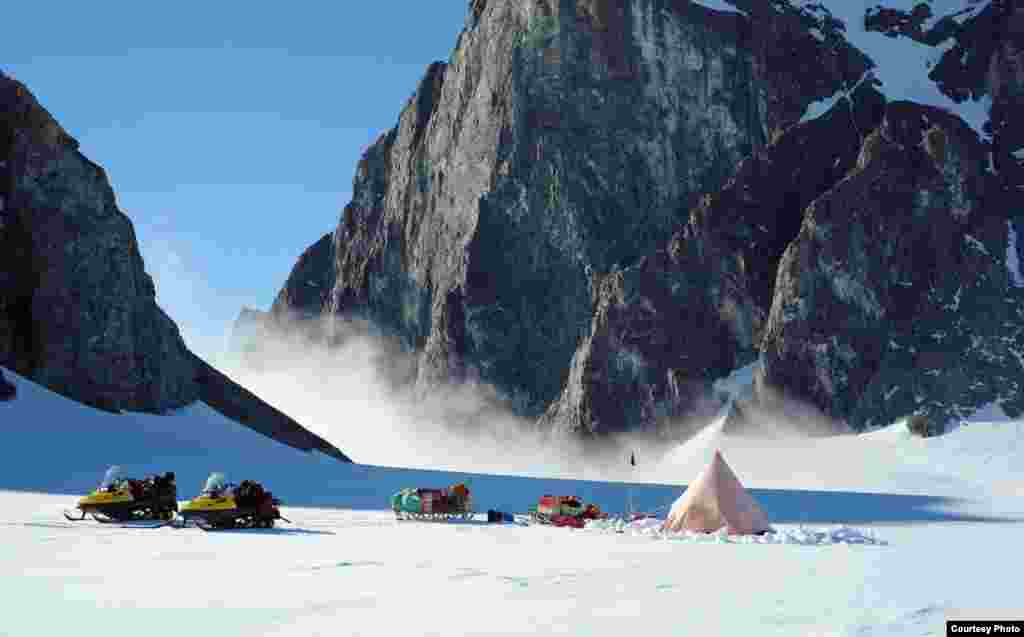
122 499
223 505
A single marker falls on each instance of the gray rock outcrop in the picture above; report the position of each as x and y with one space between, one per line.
895 297
78 312
547 193
561 140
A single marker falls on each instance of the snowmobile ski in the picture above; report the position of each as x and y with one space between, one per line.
133 524
123 524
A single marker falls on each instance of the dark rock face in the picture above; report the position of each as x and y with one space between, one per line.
920 425
693 312
945 342
897 22
887 280
661 331
308 289
801 53
1005 79
7 390
760 210
562 139
600 207
985 57
78 312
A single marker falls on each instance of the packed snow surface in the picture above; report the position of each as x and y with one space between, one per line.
878 534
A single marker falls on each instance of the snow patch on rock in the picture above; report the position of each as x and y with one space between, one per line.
991 412
740 383
903 63
1012 262
719 5
848 288
964 10
818 108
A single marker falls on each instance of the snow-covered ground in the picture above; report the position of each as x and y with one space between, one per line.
879 534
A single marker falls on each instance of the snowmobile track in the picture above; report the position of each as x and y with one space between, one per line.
206 526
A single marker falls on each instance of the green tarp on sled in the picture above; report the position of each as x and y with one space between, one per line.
411 503
406 500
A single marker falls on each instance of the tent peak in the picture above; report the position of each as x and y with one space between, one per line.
717 499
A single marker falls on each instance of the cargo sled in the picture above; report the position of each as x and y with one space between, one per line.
119 498
454 503
564 510
224 505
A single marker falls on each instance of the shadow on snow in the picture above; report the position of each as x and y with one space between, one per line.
367 488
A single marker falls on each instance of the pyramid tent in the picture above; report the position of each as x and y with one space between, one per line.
716 499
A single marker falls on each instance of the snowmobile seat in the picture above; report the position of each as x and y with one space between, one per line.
137 489
250 494
164 485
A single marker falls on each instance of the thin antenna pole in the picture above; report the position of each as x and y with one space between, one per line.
629 489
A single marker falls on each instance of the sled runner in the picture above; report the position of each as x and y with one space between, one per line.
120 499
223 505
436 505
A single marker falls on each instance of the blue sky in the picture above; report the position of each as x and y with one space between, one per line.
230 131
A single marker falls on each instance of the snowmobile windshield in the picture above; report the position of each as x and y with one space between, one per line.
215 483
113 475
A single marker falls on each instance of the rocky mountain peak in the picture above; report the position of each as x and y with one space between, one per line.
78 312
600 207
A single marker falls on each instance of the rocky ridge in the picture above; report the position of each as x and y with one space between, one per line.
601 207
560 141
78 312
